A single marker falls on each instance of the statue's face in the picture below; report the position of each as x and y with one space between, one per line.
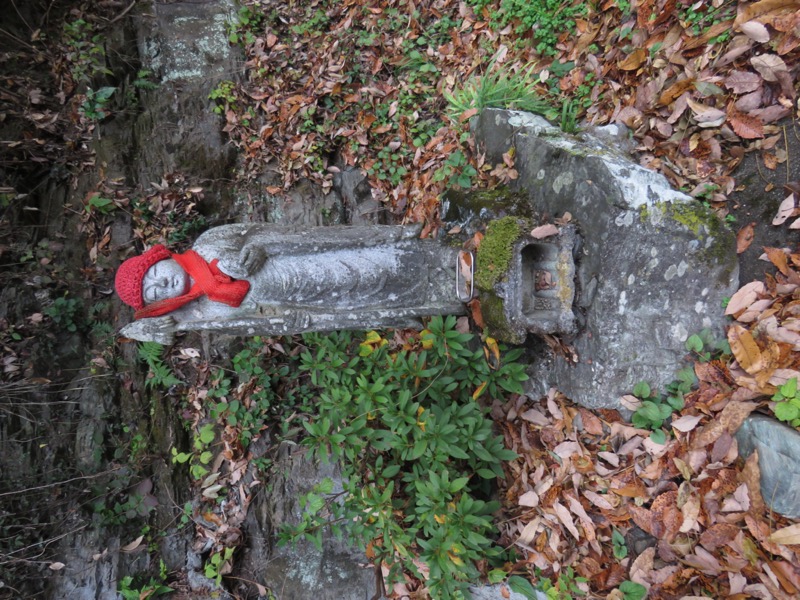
165 279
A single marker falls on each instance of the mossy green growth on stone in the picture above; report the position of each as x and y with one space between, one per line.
704 223
494 253
695 215
497 325
497 202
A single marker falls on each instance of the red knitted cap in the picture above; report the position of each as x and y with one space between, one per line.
130 274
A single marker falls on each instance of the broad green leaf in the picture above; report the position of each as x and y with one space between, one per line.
522 586
642 390
632 591
694 343
789 389
786 411
496 575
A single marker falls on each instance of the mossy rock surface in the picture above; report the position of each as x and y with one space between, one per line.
495 251
497 324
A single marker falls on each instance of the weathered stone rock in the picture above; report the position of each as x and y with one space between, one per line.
305 204
337 572
360 207
82 577
654 268
778 447
186 46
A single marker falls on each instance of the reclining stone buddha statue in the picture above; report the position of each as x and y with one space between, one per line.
263 279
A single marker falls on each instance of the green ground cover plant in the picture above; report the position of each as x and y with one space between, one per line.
416 447
655 407
545 19
787 407
139 588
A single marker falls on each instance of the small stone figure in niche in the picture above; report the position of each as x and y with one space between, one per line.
262 279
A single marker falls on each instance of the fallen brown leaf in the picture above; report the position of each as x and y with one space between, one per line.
751 475
634 60
745 237
778 258
730 419
745 349
785 210
787 536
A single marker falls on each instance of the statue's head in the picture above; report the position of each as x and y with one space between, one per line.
150 277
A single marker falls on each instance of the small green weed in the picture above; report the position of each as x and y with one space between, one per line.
184 227
200 456
143 80
584 93
787 407
419 67
121 512
225 96
699 17
258 393
85 52
569 117
565 587
499 88
134 588
456 170
100 204
655 409
94 107
624 7
160 374
619 545
546 19
390 165
632 591
314 25
242 29
705 347
65 313
215 565
518 584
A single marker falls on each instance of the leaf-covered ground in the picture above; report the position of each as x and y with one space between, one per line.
699 84
592 501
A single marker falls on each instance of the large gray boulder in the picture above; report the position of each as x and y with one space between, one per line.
778 447
654 267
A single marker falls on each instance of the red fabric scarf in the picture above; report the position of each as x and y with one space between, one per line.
208 281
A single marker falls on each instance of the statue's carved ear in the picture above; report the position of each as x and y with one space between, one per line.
157 329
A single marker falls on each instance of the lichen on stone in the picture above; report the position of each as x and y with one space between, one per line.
495 251
704 223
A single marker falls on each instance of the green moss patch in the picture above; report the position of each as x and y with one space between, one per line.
497 325
494 254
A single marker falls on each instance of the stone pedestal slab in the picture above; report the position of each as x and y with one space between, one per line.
654 268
